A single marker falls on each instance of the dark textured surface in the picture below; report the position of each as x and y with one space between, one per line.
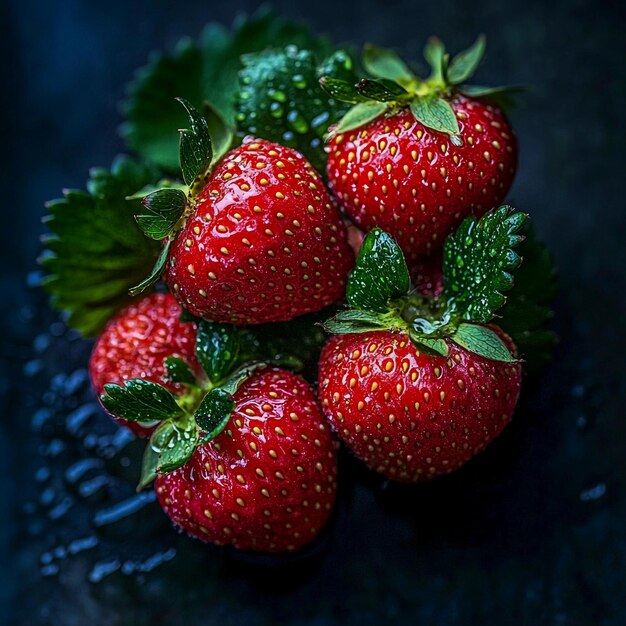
532 532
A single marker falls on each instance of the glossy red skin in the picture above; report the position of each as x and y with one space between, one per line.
427 275
355 238
265 242
409 416
414 183
269 491
135 343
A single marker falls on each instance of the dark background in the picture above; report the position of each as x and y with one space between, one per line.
532 532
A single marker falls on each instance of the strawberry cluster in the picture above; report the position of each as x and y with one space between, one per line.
381 277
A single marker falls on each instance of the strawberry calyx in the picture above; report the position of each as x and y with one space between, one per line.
167 208
478 263
203 410
393 86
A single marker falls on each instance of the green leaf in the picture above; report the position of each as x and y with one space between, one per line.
280 99
380 90
477 264
195 150
187 316
357 116
339 66
527 310
139 400
156 272
240 375
501 96
384 320
149 464
479 91
174 443
151 115
164 208
357 321
435 113
222 134
217 348
429 345
94 250
178 371
483 341
341 90
199 71
214 412
464 64
273 343
383 63
337 327
164 183
380 274
435 55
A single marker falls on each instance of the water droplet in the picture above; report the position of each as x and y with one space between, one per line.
276 110
42 474
76 471
320 120
77 418
102 569
50 570
80 545
41 342
32 367
61 508
39 418
595 493
277 95
298 81
297 123
89 488
47 497
123 509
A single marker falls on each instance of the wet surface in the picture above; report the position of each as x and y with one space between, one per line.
532 527
531 532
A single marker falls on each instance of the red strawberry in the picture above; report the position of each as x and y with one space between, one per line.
268 481
414 157
427 275
264 242
414 182
135 343
411 416
355 237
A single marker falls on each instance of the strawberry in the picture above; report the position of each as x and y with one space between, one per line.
415 157
243 456
355 237
414 182
264 243
254 238
268 481
409 415
418 381
427 275
135 343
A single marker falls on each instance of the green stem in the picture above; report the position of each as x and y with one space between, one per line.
191 400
